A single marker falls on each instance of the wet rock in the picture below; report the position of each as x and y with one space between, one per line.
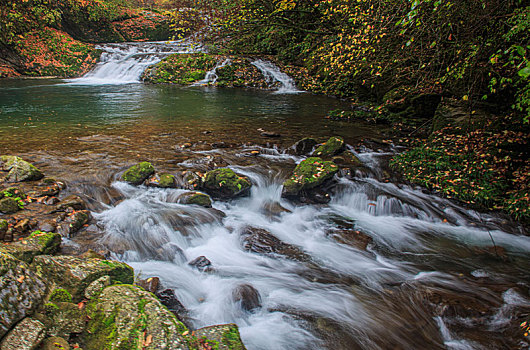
3 228
51 200
38 243
354 238
137 174
347 159
273 209
124 316
225 336
316 196
21 291
309 174
168 298
247 296
44 190
95 288
304 146
220 145
225 183
334 145
47 225
163 180
73 223
55 343
151 284
19 170
495 252
201 263
169 252
74 202
270 134
76 274
66 318
190 180
261 241
22 227
196 198
26 335
9 205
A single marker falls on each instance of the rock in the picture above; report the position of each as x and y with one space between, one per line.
38 243
74 202
169 252
55 343
309 174
270 134
136 174
273 209
44 190
76 274
96 287
9 205
225 183
201 263
190 180
152 284
261 241
425 105
19 170
226 336
331 147
168 298
347 159
127 317
21 291
304 146
47 225
3 228
26 335
354 238
247 296
196 198
163 180
73 223
66 319
51 200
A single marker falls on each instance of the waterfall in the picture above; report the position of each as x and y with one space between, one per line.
211 75
273 74
124 63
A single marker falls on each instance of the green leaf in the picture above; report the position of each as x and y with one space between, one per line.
525 72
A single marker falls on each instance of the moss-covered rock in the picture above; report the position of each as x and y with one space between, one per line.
9 205
3 228
127 317
38 243
61 295
73 223
75 274
196 198
348 160
310 173
26 335
163 180
224 337
136 174
66 318
225 183
180 69
19 170
331 147
55 343
96 287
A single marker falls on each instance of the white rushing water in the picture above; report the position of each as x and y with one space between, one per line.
273 74
124 63
339 285
211 75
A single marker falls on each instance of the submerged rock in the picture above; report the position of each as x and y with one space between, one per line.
137 174
26 335
71 202
247 296
127 317
309 174
76 274
38 243
354 238
304 146
196 198
334 145
201 263
19 170
261 241
225 183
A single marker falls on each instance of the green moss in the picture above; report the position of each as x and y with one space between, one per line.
226 182
196 198
138 173
310 173
3 225
50 308
166 180
331 147
180 69
232 339
61 295
9 205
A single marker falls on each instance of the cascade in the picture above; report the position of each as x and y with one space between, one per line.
273 74
211 75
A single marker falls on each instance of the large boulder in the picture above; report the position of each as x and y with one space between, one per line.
66 318
26 335
309 174
334 145
304 146
9 205
225 336
128 317
247 297
196 198
261 241
137 174
76 274
19 170
21 291
38 243
225 183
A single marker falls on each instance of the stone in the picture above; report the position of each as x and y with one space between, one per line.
273 209
38 243
354 238
76 274
66 319
168 298
71 202
201 263
226 336
261 241
128 317
26 335
55 343
73 223
197 198
334 145
151 284
163 180
270 134
19 170
347 159
247 296
225 183
3 228
18 283
137 174
309 174
304 146
47 225
96 287
190 180
9 205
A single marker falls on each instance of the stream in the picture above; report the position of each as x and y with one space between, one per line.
427 279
